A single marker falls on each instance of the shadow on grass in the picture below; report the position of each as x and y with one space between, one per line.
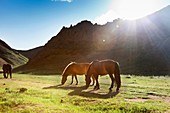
82 91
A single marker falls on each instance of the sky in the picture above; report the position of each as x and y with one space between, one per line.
26 24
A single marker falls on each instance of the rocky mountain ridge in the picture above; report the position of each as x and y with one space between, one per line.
140 46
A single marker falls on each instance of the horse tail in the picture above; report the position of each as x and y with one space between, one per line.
117 75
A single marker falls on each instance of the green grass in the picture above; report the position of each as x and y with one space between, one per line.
138 94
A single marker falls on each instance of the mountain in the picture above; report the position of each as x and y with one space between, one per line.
30 53
9 55
141 46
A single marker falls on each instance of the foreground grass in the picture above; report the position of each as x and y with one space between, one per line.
32 93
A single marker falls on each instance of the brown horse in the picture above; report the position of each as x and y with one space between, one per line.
104 67
74 69
7 69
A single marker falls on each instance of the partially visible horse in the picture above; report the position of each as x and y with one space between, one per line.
7 70
74 69
104 67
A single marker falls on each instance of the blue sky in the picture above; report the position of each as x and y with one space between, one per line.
26 24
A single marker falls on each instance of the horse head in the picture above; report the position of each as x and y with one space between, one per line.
64 79
88 75
88 80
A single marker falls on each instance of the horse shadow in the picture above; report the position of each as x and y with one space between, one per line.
84 92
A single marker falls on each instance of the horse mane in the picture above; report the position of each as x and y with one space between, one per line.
91 65
95 61
71 63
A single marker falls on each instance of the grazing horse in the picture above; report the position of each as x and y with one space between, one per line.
7 69
74 69
104 67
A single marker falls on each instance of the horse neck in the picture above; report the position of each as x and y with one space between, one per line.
65 73
87 67
89 72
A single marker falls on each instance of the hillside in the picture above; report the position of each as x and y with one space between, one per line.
30 53
140 46
9 55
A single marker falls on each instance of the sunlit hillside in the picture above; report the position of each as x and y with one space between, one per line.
9 55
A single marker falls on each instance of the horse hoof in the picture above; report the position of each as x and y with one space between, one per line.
86 86
97 88
92 85
117 90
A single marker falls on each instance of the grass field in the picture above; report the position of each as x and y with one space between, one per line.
35 94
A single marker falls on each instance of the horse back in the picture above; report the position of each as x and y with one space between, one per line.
106 67
77 68
80 68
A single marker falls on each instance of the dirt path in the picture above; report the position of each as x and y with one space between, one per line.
164 99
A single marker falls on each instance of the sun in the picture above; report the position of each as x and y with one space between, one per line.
133 9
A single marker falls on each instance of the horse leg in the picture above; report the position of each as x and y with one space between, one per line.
93 80
97 83
10 74
72 79
7 74
4 74
112 78
76 80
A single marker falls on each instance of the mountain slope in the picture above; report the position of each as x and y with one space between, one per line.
30 53
140 46
8 55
